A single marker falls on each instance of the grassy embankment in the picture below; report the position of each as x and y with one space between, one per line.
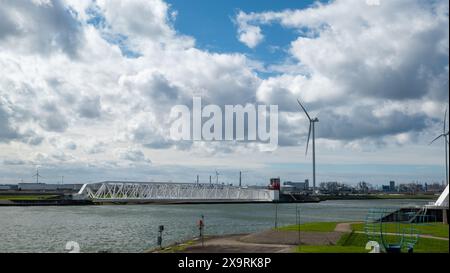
407 196
379 196
175 248
433 229
28 197
355 241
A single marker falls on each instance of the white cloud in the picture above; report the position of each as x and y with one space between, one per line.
134 155
91 83
250 35
349 60
99 98
43 27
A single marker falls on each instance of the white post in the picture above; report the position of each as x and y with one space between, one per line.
314 157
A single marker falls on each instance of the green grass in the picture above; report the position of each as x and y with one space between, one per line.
406 196
177 247
424 245
330 249
356 242
26 197
313 227
433 229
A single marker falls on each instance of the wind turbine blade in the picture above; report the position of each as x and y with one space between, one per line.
443 135
304 110
307 142
445 120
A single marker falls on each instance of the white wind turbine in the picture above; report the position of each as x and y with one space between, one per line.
444 135
312 127
217 177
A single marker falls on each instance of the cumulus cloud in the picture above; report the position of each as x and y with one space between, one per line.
7 133
53 120
362 122
134 155
88 93
71 145
90 107
248 34
14 162
350 53
80 81
96 147
43 27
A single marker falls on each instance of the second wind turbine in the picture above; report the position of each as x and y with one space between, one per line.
312 122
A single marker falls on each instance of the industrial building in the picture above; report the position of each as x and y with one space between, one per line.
48 187
8 187
293 187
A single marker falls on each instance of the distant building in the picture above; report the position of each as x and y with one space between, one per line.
392 186
289 186
411 188
434 188
274 184
335 188
48 187
386 188
8 187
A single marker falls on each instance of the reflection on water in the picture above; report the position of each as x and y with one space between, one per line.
134 228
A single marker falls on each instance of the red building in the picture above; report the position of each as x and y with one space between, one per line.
274 184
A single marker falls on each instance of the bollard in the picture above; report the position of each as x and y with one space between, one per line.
201 225
160 231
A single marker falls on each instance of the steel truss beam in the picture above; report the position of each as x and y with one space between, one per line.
122 191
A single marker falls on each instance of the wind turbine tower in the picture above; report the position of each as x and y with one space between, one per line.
312 127
37 175
217 177
240 179
444 135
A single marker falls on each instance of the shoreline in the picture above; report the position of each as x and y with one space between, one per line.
57 199
322 237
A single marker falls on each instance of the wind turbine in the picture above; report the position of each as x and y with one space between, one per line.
444 135
240 178
37 175
217 177
312 122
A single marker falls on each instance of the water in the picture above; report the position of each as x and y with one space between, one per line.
135 228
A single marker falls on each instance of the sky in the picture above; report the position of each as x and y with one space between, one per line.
86 88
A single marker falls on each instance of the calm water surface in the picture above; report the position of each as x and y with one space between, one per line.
135 228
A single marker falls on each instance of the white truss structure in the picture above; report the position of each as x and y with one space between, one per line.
143 191
443 199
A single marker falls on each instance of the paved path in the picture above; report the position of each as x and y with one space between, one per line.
232 244
343 227
269 241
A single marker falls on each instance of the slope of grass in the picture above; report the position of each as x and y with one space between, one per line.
433 229
424 245
330 249
27 197
356 242
406 196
